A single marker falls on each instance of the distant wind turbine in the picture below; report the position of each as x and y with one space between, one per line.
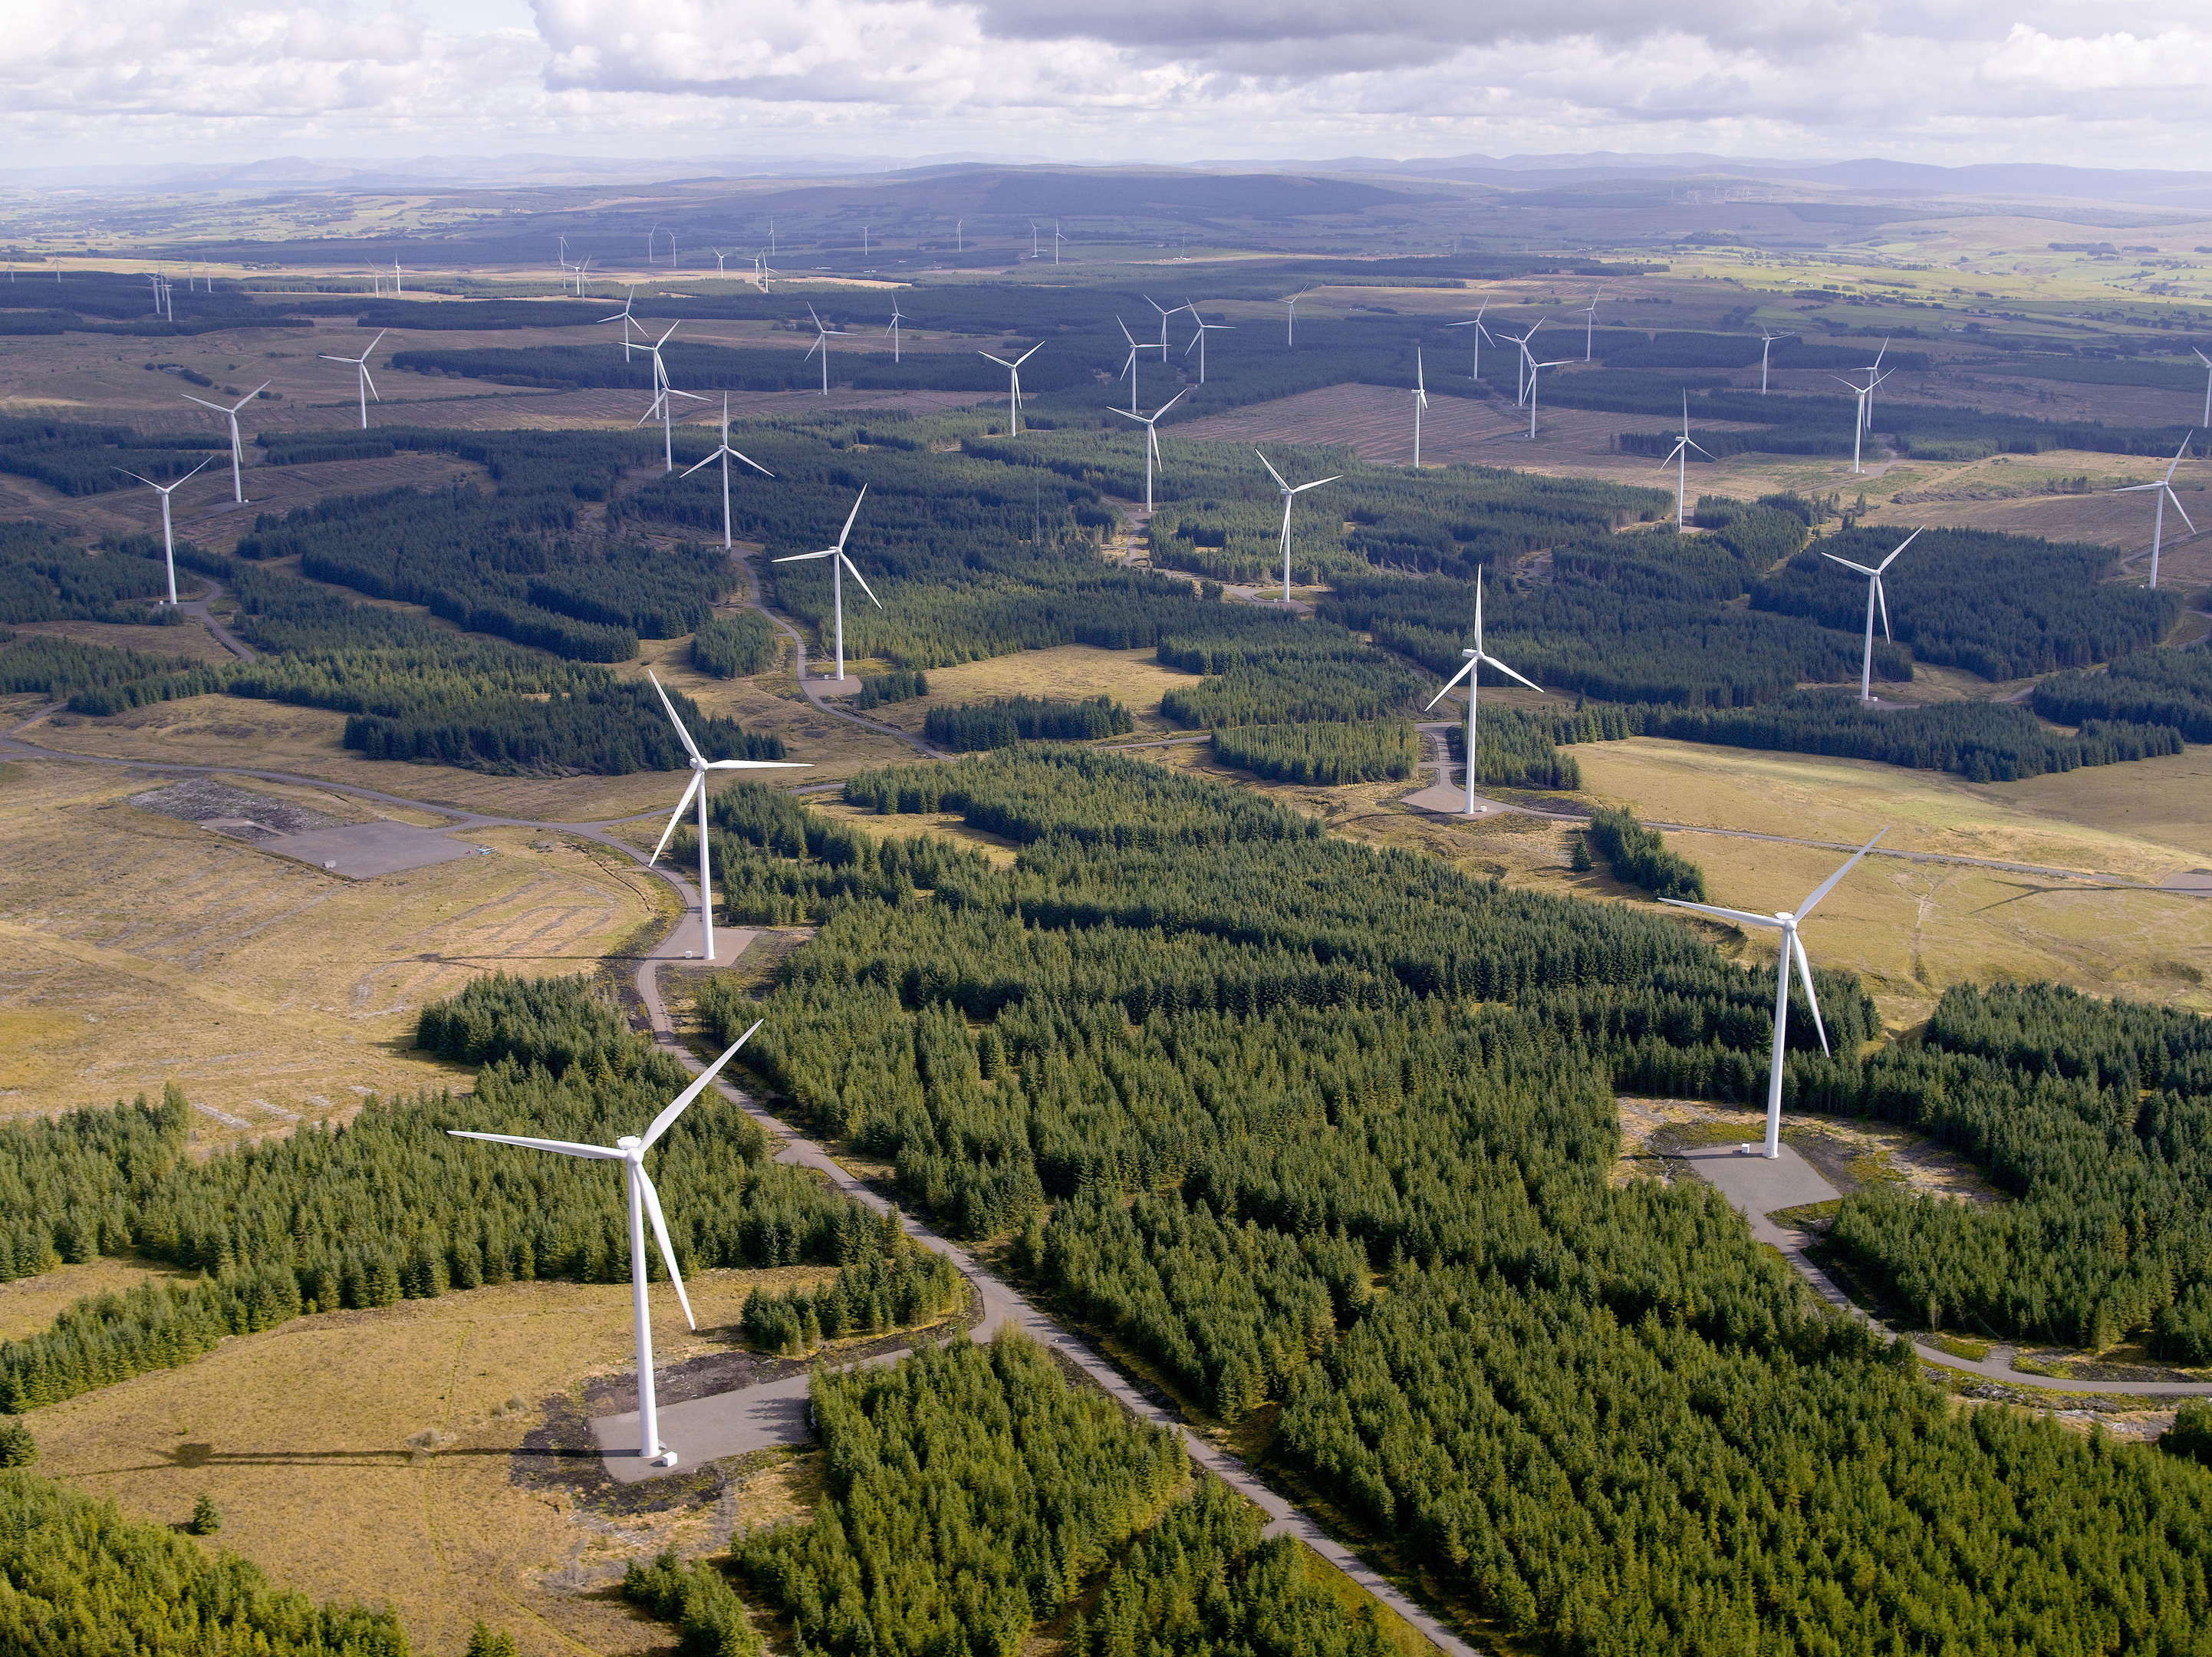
237 450
697 788
398 287
959 236
1056 239
1164 314
1151 423
1793 951
1861 421
839 561
1875 596
2201 357
1589 325
623 316
893 330
1533 366
1766 342
2163 488
1129 363
168 539
821 343
1481 334
726 454
1198 339
1290 325
1013 384
367 386
1679 454
1476 658
664 398
1875 377
644 1204
1289 495
1420 404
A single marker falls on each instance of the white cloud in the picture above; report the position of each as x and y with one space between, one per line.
1941 81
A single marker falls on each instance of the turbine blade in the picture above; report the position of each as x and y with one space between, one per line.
1740 917
709 461
1882 602
1171 402
1829 885
862 579
760 765
1271 472
204 404
565 1147
2178 506
1901 546
801 557
849 516
255 393
1000 361
674 817
1848 564
661 1236
1026 355
1317 483
1805 977
689 746
754 464
1507 671
1453 681
675 1106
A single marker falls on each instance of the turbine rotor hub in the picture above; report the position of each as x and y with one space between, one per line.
629 1142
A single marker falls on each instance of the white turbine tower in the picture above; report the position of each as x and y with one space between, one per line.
1862 420
1289 495
2164 487
1420 404
1164 314
1476 658
1766 343
1681 456
1533 366
1792 950
1151 423
1481 334
1198 339
839 561
1013 384
398 287
644 1204
663 400
1056 239
1875 377
1522 375
237 450
1129 362
821 343
1875 596
2201 357
701 766
893 330
169 540
367 386
1589 325
726 454
1291 324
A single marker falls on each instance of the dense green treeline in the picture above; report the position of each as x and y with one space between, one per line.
1293 691
44 576
710 1619
900 685
557 1023
1999 605
971 727
78 458
1638 857
734 647
971 1494
781 864
1326 754
2144 687
896 1285
68 671
77 1576
1520 749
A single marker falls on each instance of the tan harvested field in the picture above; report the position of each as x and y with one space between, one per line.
192 641
1069 672
141 949
302 1434
29 1305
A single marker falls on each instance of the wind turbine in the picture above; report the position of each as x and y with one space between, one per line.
2201 357
1793 950
893 330
367 386
644 1203
398 287
237 452
701 766
1056 239
1875 595
2164 487
1014 385
1476 658
839 561
623 316
1198 339
959 236
821 344
1521 376
1129 363
1420 403
1164 314
726 454
664 398
1289 495
1291 327
583 274
169 540
1151 423
1681 456
1859 428
1481 334
1533 367
1875 377
1766 342
1589 325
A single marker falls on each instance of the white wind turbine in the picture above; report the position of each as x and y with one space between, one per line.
644 1204
1862 420
1875 377
664 398
397 286
959 236
701 766
1476 658
169 540
2163 488
1056 239
1481 334
1164 314
1151 423
893 330
367 386
1521 376
1420 404
2201 357
1875 596
838 563
1792 950
1198 339
1533 366
628 321
821 343
1013 384
1289 495
237 450
726 454
1766 343
1589 325
1681 456
1129 362
1291 325
583 274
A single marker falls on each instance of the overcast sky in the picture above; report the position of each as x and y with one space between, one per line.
1943 81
